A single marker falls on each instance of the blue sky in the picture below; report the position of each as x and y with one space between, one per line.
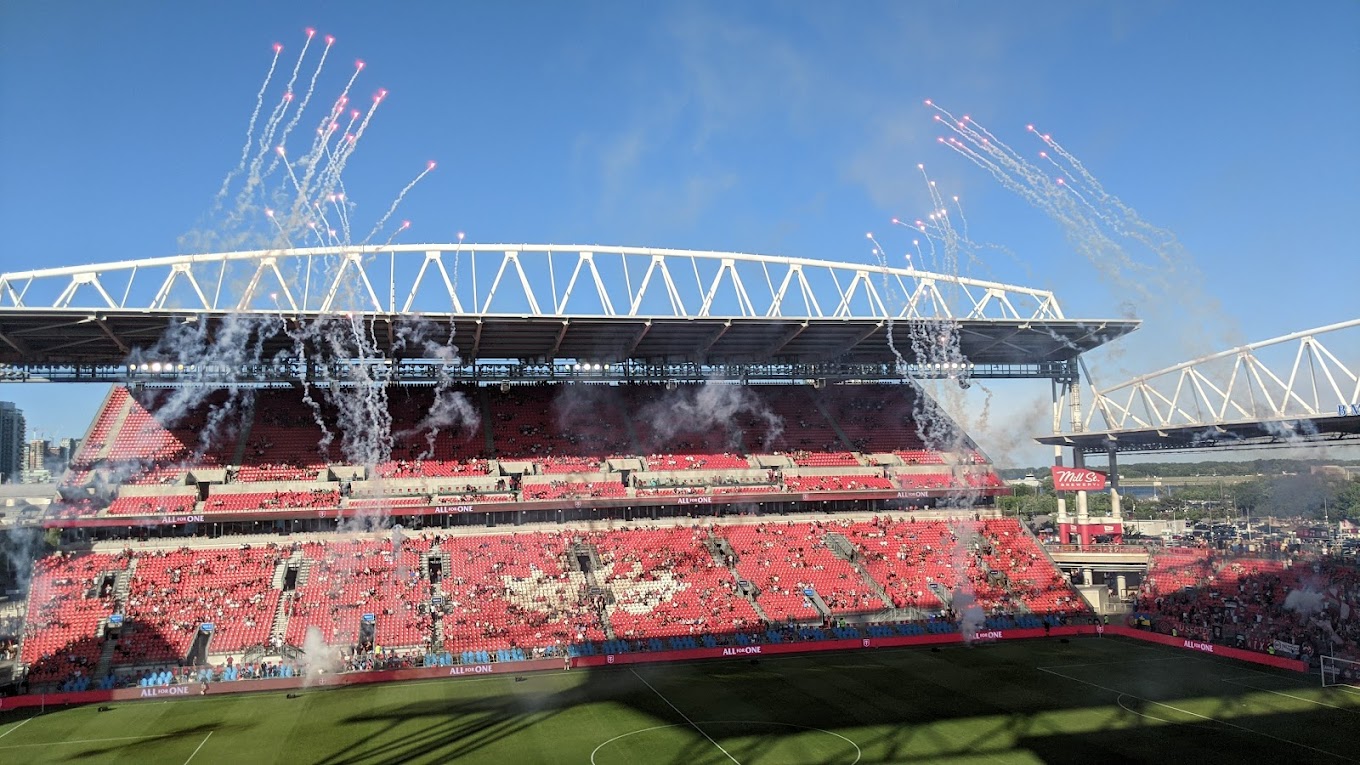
782 128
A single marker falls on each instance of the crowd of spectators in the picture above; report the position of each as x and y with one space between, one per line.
1298 606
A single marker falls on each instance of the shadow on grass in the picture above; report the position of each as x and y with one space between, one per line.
897 707
149 749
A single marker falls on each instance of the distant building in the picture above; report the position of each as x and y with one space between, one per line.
13 431
36 458
66 451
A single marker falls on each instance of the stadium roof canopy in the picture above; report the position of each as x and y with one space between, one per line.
1287 391
552 302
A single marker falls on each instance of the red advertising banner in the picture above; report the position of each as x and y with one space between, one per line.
165 693
1078 479
1256 657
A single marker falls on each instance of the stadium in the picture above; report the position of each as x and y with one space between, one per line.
350 501
690 514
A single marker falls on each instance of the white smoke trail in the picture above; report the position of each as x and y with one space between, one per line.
250 128
307 97
396 202
254 178
712 406
450 407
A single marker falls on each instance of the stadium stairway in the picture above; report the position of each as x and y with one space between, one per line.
437 595
122 587
845 550
238 455
105 663
945 594
115 430
817 603
835 426
722 553
586 558
484 404
1024 527
279 630
122 584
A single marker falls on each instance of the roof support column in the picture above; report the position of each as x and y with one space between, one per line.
1064 523
1073 385
1114 483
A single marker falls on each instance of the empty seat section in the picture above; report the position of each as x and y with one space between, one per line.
172 503
783 560
285 439
271 501
346 580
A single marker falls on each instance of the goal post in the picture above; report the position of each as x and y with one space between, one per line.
1337 671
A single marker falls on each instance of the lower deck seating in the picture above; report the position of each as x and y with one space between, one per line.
353 583
173 594
68 598
522 594
1251 602
667 584
786 560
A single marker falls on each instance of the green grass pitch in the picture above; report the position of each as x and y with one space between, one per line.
1089 701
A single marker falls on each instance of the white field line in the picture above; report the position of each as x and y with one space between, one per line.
1194 714
685 716
1290 695
17 727
200 746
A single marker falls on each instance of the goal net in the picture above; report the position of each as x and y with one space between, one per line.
1340 672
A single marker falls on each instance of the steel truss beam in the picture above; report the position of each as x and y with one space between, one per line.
524 280
387 371
1291 389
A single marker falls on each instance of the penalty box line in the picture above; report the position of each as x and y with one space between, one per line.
1235 726
1290 695
17 727
683 715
